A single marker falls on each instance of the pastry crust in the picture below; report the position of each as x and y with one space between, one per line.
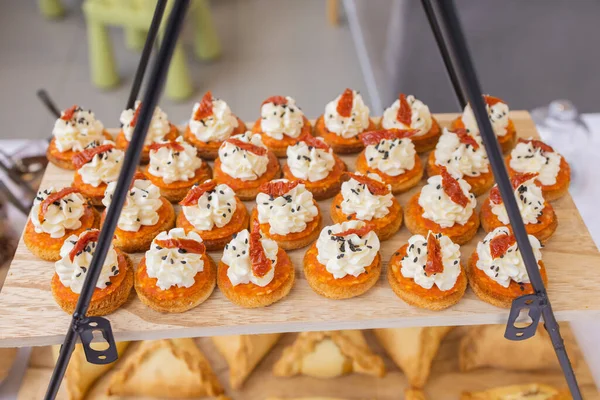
250 295
176 191
48 248
326 187
104 301
217 238
560 187
210 150
323 283
507 142
247 190
518 392
122 143
479 184
400 183
92 193
338 143
491 292
414 394
417 225
294 240
64 159
385 227
429 140
176 299
279 147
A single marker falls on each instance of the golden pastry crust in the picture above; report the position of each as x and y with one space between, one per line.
385 227
415 295
414 394
518 392
560 187
64 159
479 184
210 150
323 283
247 190
47 248
491 292
294 240
326 187
250 295
507 142
93 193
279 147
400 183
176 191
417 225
429 140
176 299
338 143
122 143
217 238
104 301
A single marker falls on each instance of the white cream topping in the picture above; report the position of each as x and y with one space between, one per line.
103 167
78 132
158 129
242 164
461 159
172 165
216 127
529 200
288 213
347 255
392 157
237 256
309 163
173 267
285 119
498 114
214 208
72 273
438 207
508 267
525 158
357 199
62 215
141 205
347 127
415 260
421 120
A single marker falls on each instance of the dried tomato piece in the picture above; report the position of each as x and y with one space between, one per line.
189 245
374 137
171 145
491 100
310 140
136 115
452 188
252 148
464 137
277 188
434 264
537 144
82 242
344 105
261 265
205 108
194 194
44 205
366 228
404 114
516 181
500 244
68 113
85 156
277 100
375 187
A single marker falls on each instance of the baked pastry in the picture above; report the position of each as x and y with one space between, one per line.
344 119
538 215
244 164
56 215
409 113
304 398
312 162
75 130
414 394
211 122
391 155
329 355
444 205
535 156
281 123
496 270
413 349
463 155
174 167
114 283
160 129
287 214
344 262
97 165
176 274
367 198
144 215
498 113
426 272
254 271
214 212
537 391
243 353
167 368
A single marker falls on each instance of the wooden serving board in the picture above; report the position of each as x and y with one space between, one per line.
29 315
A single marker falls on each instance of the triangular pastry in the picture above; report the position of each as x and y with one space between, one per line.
533 391
174 368
414 394
328 355
413 349
81 374
243 353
